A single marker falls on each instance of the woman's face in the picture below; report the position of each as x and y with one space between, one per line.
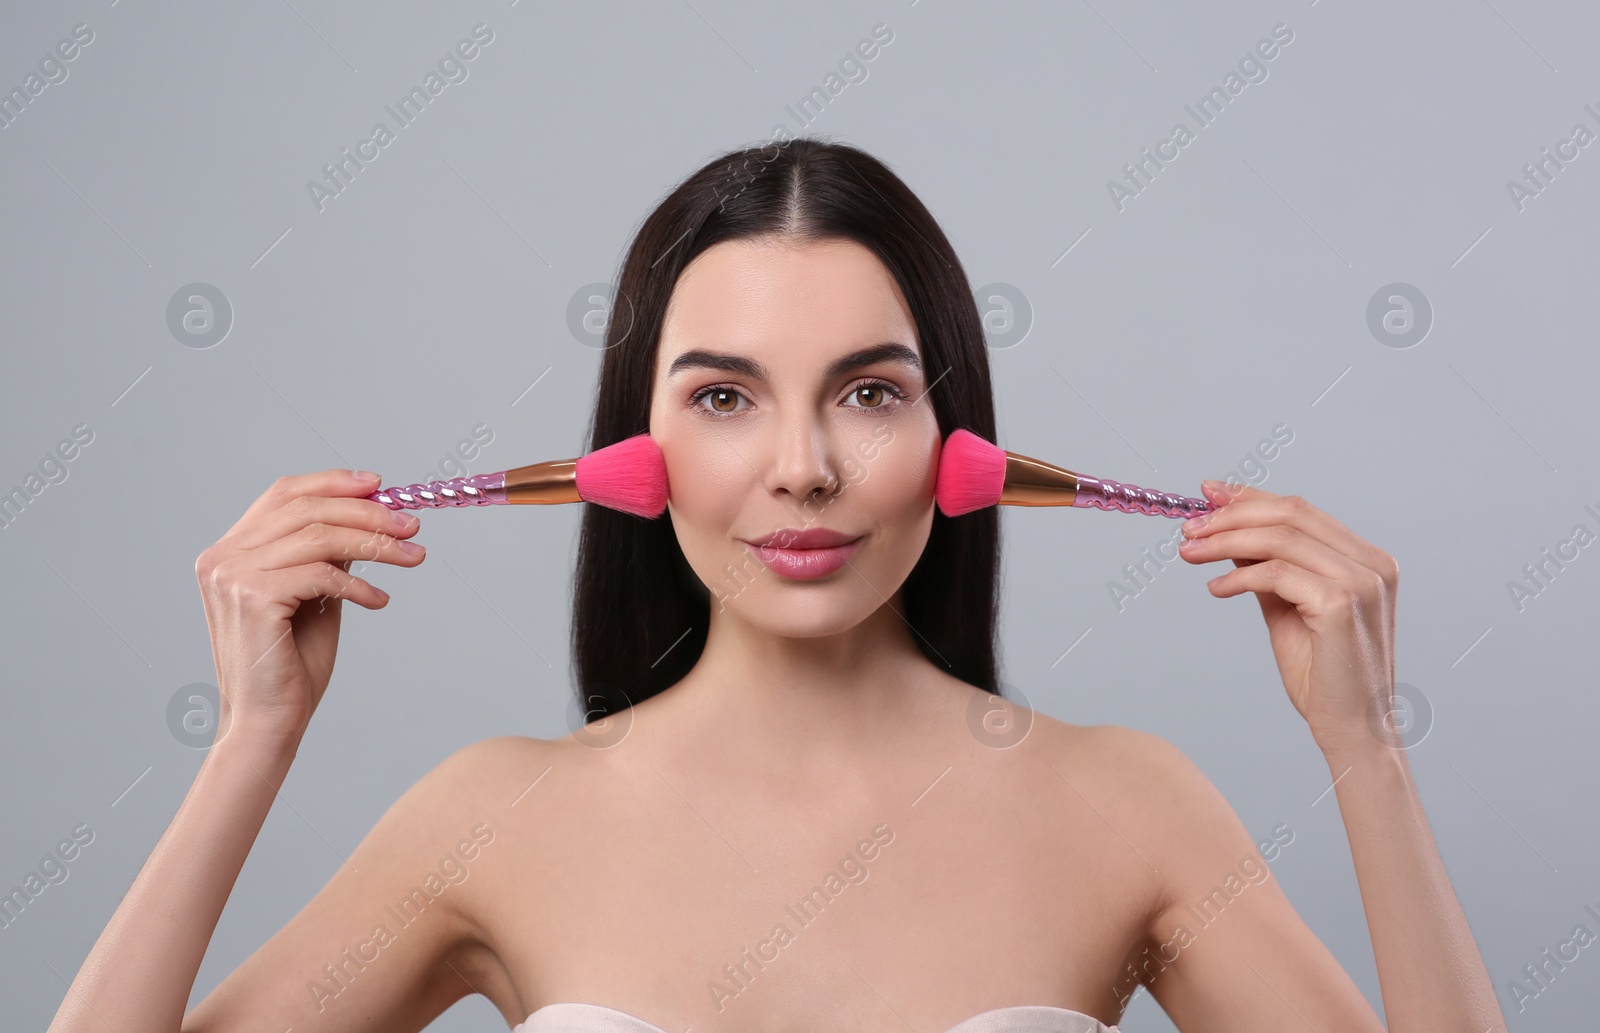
787 396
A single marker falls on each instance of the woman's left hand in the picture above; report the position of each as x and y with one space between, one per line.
1328 597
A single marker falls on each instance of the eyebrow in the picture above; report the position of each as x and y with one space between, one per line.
739 365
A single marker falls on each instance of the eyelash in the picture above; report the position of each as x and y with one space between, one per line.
695 399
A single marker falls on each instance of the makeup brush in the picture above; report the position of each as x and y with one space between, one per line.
630 476
974 473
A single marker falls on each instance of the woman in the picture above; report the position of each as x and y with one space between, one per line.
802 803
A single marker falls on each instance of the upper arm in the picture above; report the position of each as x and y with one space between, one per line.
372 949
1226 951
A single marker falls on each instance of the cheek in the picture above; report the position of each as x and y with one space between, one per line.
709 485
899 478
708 480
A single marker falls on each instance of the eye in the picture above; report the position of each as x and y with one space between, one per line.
719 395
724 400
882 390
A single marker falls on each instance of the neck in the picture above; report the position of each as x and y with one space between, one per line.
813 701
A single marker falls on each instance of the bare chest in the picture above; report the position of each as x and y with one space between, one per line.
918 900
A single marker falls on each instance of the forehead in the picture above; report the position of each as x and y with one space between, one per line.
807 301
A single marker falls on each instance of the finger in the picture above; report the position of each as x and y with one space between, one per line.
334 482
324 580
1311 594
335 543
1246 506
304 510
1248 545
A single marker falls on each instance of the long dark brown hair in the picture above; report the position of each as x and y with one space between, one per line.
640 614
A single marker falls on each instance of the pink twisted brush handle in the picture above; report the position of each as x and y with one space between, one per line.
484 489
1129 498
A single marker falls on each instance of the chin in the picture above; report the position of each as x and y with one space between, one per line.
806 606
803 609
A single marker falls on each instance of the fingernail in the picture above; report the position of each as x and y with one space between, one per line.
365 475
406 521
1195 523
411 548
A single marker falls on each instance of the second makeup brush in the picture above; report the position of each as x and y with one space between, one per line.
630 476
974 473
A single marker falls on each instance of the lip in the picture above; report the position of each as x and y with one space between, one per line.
805 555
810 538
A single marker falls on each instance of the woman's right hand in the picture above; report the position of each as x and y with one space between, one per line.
273 587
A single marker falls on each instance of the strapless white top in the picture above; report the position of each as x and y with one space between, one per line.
1024 1018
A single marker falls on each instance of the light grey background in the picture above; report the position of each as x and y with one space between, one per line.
1166 340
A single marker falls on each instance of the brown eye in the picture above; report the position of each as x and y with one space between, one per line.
874 395
724 400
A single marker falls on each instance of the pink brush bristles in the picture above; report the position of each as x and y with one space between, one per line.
972 473
630 476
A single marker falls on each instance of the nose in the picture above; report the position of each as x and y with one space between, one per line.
801 460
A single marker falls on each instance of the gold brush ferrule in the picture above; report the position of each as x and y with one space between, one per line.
543 483
1033 482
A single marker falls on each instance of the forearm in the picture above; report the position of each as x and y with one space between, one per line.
1431 975
140 973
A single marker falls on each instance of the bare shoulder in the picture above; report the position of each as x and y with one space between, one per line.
470 816
470 780
1141 761
1189 806
486 761
467 807
1123 766
1217 904
413 891
470 792
1184 824
1160 797
490 780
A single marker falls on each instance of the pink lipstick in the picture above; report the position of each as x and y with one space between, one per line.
805 555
